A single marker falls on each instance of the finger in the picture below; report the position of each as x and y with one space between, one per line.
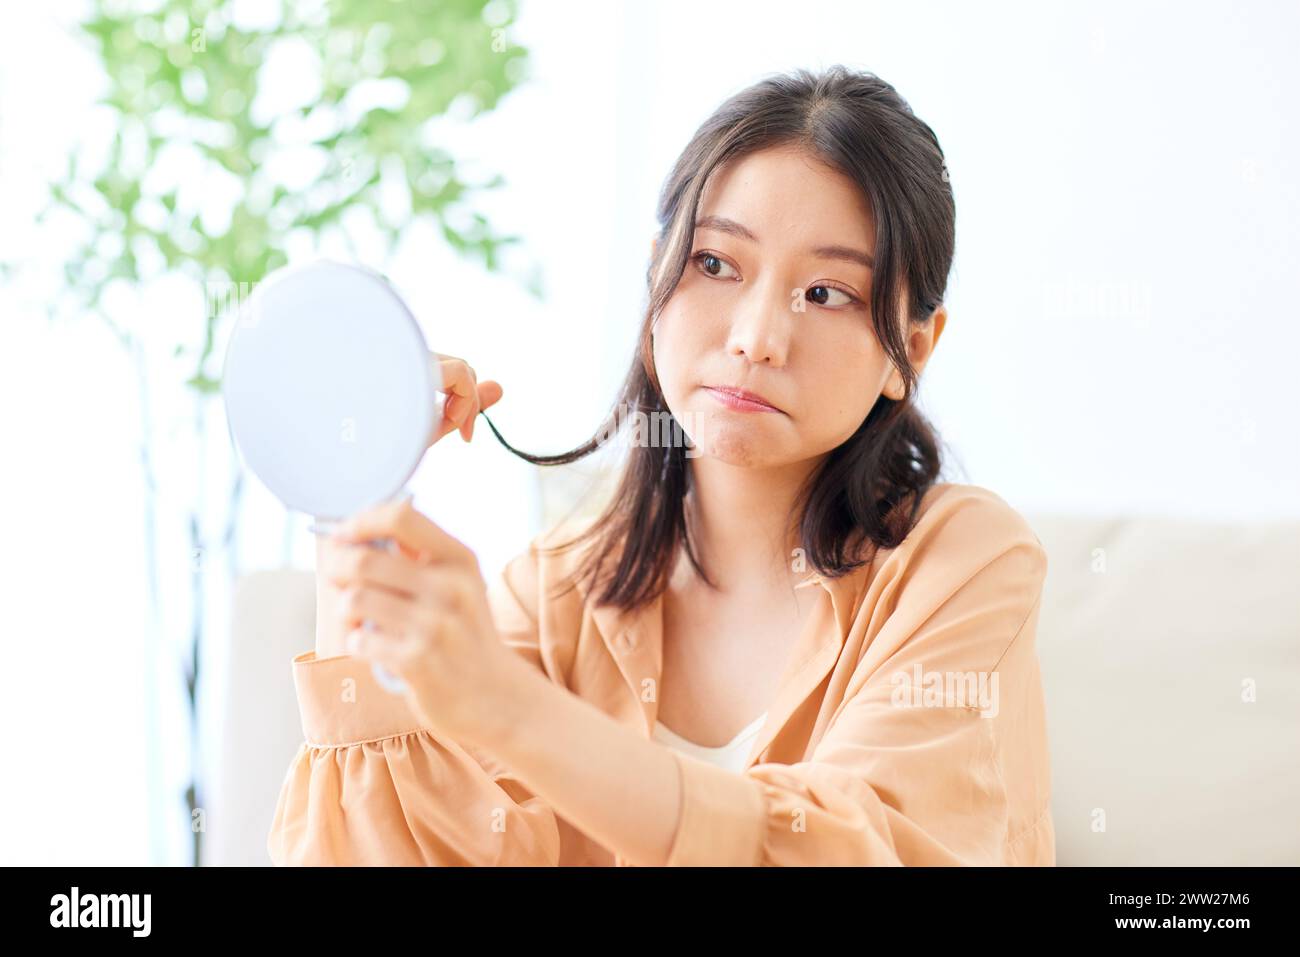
453 410
391 651
443 589
471 407
401 522
441 426
453 414
353 563
390 613
458 379
489 394
459 382
464 402
452 370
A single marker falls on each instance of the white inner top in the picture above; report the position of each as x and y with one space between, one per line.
733 755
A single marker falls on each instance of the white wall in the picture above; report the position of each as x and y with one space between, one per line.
1122 331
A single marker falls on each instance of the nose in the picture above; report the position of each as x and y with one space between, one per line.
763 325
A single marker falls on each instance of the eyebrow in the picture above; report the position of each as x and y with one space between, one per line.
733 228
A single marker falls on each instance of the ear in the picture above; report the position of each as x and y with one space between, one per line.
893 386
654 244
920 346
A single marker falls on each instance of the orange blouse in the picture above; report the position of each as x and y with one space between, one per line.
908 727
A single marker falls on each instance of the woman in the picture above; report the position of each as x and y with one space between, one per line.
673 685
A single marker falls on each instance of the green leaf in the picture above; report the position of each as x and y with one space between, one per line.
143 62
204 384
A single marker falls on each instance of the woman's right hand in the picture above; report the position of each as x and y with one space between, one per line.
466 397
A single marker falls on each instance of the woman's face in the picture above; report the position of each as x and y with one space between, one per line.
775 301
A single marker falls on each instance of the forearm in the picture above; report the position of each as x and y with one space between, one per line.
619 788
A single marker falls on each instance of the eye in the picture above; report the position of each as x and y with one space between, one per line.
707 262
821 295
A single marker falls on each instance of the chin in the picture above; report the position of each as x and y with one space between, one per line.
737 439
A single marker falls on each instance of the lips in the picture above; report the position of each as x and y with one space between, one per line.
741 399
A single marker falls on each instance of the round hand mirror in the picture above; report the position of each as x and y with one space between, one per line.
331 393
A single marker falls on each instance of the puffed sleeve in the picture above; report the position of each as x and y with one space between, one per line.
371 786
937 754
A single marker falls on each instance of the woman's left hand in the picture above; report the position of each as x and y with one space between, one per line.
433 627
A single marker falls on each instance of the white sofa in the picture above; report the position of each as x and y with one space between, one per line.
1171 660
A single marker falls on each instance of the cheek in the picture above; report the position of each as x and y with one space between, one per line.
677 343
843 379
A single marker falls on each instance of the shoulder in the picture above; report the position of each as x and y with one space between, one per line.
548 564
960 586
959 531
970 515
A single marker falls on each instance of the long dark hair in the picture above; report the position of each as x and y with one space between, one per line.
867 491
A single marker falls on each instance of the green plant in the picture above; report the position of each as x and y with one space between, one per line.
186 85
182 77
